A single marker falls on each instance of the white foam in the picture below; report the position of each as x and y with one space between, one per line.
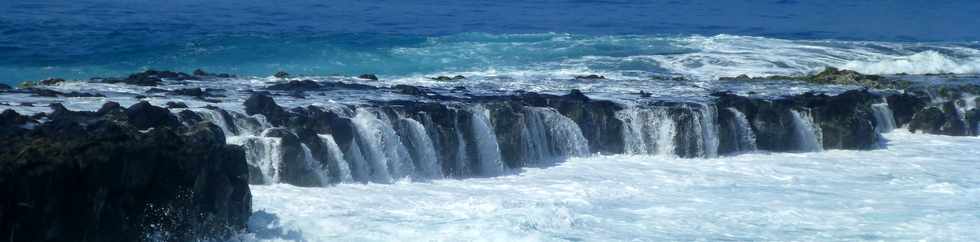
926 62
923 187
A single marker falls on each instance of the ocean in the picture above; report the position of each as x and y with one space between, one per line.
916 187
98 38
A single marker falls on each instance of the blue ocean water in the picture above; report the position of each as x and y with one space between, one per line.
86 38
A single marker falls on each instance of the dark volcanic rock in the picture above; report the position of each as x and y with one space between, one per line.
368 77
303 85
260 103
310 85
281 74
955 125
590 77
52 81
42 92
846 120
176 105
151 78
202 73
929 120
945 118
103 180
411 90
973 120
446 78
295 169
904 106
834 76
143 115
193 92
196 92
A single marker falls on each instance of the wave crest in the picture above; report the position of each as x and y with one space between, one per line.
926 62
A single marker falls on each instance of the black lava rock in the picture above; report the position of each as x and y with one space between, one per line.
85 176
368 77
260 103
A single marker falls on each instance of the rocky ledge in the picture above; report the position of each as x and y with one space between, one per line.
479 136
118 174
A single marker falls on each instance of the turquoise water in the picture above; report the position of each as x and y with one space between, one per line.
82 39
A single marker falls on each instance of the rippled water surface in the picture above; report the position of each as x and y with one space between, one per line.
523 40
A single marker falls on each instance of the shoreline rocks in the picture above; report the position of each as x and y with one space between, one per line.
118 175
834 76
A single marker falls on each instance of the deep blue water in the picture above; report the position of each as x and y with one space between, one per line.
85 38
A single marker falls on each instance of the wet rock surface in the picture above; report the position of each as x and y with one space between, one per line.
118 174
431 132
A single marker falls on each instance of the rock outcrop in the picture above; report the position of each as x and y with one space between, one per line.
132 174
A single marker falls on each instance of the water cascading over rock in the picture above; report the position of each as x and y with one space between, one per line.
808 135
647 131
387 142
740 135
884 118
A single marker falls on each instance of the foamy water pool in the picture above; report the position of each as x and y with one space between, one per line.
922 187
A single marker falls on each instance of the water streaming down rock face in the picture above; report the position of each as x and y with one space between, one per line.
742 131
372 141
677 129
421 148
549 136
807 134
884 118
647 131
217 118
320 171
705 130
484 141
338 166
385 143
264 156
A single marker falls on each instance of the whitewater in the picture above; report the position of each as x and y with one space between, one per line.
920 188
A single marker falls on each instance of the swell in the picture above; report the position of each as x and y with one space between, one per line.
511 57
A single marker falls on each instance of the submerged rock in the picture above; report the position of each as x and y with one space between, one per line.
85 176
43 92
202 73
281 74
303 85
590 77
173 105
151 78
368 77
446 78
834 76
